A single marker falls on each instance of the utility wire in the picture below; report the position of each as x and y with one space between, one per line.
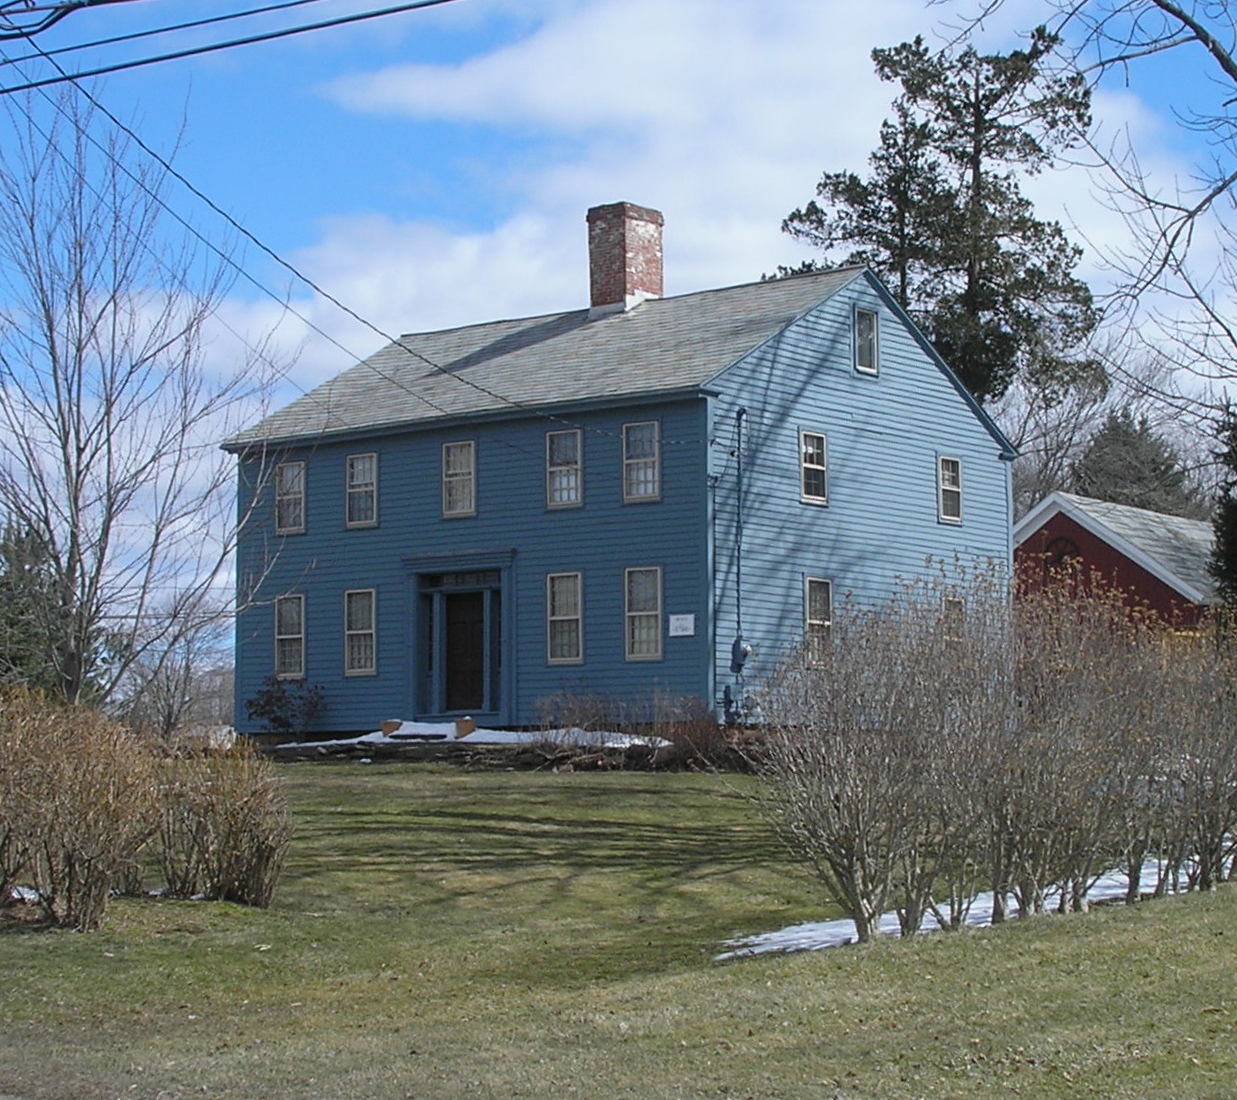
398 341
55 13
133 36
195 51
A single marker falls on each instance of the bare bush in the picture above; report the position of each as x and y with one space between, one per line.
88 804
16 756
875 734
934 746
225 826
83 800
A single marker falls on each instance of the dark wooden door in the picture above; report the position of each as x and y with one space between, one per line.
464 621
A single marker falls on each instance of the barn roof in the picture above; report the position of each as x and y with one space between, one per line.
1174 549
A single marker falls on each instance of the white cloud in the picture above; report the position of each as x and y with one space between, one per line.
720 113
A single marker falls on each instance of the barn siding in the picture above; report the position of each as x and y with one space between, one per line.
1035 560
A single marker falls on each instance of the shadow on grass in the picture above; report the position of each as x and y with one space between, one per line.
507 838
24 917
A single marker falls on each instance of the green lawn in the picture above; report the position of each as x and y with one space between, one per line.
443 933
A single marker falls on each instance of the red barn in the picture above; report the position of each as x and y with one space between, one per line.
1160 560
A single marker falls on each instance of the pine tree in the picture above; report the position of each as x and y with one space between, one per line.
1127 462
942 219
27 598
1224 553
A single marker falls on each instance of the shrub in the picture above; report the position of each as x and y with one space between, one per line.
80 797
922 753
286 707
83 799
225 826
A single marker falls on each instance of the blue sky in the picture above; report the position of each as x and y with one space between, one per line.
434 168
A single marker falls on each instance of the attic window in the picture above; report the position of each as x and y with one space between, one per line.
867 341
949 490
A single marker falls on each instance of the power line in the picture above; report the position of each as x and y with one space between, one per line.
54 13
134 36
398 341
195 51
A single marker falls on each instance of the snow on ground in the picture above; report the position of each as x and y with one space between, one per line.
817 935
412 732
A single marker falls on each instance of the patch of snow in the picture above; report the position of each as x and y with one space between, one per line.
409 732
817 935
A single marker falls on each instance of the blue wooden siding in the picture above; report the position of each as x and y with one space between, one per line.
885 433
514 530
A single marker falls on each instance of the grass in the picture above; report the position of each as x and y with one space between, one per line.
447 934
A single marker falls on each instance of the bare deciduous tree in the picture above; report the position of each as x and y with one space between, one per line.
110 413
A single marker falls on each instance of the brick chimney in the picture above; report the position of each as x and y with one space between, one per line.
624 256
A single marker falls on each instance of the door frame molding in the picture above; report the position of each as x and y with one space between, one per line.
419 567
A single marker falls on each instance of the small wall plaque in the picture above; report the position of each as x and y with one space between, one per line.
682 626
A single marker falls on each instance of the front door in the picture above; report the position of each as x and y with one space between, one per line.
464 676
461 654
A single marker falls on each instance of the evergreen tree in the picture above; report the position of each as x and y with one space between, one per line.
1127 462
27 597
1224 552
942 219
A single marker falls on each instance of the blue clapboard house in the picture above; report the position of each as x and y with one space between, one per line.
649 497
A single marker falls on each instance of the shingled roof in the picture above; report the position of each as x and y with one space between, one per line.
1174 549
661 346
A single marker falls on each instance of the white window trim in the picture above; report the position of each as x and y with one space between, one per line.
942 489
550 502
280 497
469 475
876 341
350 633
630 463
351 490
804 495
280 674
551 618
825 625
629 615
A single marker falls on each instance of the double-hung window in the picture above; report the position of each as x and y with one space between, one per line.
642 606
949 489
459 479
362 506
867 341
562 468
289 498
290 637
813 467
564 618
641 461
953 616
817 615
360 656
